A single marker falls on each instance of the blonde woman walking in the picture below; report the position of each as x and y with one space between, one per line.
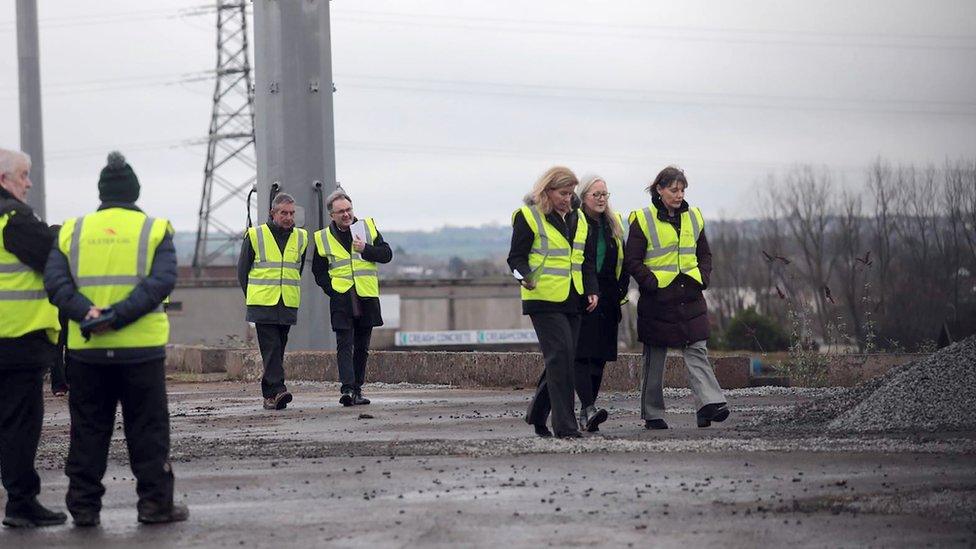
552 256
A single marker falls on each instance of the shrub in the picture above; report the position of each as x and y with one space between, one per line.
752 331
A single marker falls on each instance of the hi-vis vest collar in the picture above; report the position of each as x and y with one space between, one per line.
546 248
654 247
261 260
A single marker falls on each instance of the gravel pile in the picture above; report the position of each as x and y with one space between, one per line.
937 393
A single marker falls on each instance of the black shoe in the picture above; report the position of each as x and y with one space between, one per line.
708 413
651 424
542 431
594 417
177 513
85 519
33 515
347 398
358 399
571 434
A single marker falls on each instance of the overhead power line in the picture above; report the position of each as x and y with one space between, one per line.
669 33
661 97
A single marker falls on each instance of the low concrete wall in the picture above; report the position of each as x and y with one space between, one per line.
450 368
493 369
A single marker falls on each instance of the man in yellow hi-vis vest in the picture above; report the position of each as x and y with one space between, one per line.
344 265
269 271
110 272
28 331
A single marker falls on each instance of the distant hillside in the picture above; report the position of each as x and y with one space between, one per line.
467 243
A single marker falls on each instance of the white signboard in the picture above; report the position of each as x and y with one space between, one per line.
465 337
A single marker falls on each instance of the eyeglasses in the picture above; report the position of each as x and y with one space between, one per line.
600 196
341 212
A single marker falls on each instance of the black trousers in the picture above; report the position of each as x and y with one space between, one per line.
352 351
557 333
21 415
96 390
272 339
589 377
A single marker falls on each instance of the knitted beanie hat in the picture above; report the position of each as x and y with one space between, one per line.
117 182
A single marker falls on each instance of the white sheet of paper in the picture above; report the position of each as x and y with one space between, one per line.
518 276
359 230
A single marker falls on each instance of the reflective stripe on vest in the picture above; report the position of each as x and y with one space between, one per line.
347 268
109 252
555 262
24 307
275 276
669 253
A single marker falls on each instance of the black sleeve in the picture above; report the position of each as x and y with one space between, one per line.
591 285
61 289
704 254
378 252
623 284
149 294
244 262
522 237
28 238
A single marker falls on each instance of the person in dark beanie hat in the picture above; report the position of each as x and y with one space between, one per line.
117 182
110 272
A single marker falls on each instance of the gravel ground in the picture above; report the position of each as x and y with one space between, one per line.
438 467
931 394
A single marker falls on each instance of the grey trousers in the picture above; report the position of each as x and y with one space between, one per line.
701 378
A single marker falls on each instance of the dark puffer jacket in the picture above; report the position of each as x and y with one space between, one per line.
677 315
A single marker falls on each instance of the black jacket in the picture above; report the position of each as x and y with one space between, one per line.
598 330
146 297
518 259
29 239
265 314
341 304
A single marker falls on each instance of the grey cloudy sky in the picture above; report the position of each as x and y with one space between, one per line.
447 111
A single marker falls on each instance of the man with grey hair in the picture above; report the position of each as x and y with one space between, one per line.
29 329
270 270
344 265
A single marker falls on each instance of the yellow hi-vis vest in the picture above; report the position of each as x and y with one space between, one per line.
669 253
620 246
348 268
24 307
110 252
555 263
275 276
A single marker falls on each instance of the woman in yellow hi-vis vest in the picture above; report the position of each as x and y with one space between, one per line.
346 254
597 342
269 271
668 256
552 256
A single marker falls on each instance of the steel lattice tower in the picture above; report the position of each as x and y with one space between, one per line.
231 170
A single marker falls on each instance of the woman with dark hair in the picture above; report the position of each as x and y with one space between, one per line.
552 257
597 342
668 256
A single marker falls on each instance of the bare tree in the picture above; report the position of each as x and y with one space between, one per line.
805 199
853 261
885 195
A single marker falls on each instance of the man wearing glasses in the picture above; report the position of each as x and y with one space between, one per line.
344 265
